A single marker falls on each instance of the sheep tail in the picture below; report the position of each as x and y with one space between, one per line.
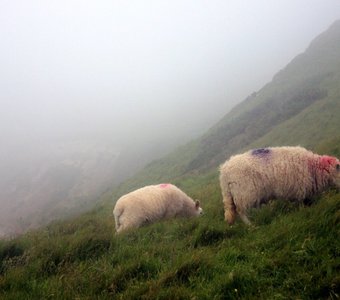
117 213
229 208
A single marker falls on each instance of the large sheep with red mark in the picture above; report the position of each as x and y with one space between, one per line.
153 203
259 175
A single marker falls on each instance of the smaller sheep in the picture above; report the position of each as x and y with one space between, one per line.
151 204
257 176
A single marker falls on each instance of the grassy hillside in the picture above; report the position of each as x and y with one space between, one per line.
293 252
301 99
301 105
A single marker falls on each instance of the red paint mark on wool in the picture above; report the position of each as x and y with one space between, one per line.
322 163
326 161
164 185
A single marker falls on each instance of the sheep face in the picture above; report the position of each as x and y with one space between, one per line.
198 209
336 175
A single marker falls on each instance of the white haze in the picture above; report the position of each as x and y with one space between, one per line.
127 81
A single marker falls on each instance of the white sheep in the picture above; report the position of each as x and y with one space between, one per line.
153 203
291 173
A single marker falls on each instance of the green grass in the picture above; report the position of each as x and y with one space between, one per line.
293 252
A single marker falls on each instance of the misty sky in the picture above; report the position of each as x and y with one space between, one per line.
83 68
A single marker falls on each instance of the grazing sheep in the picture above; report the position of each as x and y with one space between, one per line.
292 173
153 203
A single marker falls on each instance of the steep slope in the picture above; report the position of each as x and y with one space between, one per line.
301 105
293 252
310 81
53 180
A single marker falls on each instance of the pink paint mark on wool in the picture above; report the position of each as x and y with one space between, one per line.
164 185
326 161
322 163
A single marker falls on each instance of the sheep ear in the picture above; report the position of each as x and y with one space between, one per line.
197 204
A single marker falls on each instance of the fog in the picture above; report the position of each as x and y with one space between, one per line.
88 84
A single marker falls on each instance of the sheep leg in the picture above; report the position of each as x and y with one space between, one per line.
243 217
